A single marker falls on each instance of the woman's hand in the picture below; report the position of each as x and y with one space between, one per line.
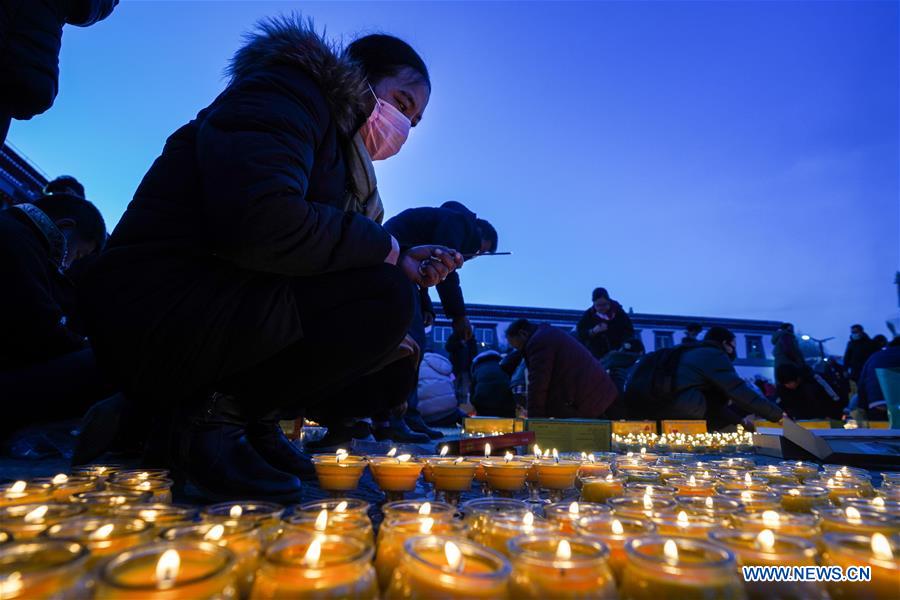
427 266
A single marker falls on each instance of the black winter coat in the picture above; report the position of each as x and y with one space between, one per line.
856 355
452 225
36 296
491 395
30 40
195 284
619 329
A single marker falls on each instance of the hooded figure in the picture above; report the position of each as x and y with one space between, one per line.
30 41
226 287
492 396
605 326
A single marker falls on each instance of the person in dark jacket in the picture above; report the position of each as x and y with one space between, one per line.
64 184
691 334
564 380
30 41
249 279
619 363
786 349
708 387
859 349
804 394
870 394
454 226
461 352
47 369
604 326
491 394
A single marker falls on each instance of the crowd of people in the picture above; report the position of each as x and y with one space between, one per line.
219 304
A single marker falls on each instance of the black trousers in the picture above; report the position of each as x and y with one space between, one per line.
352 321
54 390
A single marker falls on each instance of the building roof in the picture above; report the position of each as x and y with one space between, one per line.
20 181
640 320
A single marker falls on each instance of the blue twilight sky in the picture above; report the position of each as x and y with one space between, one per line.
698 158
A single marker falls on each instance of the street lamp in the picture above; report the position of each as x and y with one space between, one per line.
807 338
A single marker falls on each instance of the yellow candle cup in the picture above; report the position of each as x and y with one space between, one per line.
802 498
754 500
394 534
27 521
641 507
712 506
506 476
23 492
169 571
601 489
352 525
478 513
769 549
640 489
243 538
780 522
395 474
102 536
687 525
614 532
551 566
567 514
452 476
338 472
557 475
499 530
879 552
308 565
40 568
159 515
65 486
103 502
334 505
102 471
449 568
160 489
267 514
850 519
687 569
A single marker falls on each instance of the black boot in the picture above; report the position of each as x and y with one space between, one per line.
417 424
399 433
214 456
268 439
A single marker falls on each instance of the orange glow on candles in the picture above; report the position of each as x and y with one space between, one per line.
167 568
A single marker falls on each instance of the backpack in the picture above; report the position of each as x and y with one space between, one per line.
651 383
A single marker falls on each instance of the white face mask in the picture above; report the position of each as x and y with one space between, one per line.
385 131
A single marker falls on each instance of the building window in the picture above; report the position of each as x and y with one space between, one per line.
440 335
484 336
755 348
663 339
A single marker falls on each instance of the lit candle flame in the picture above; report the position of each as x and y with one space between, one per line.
537 451
574 508
60 479
341 455
643 450
453 555
101 533
425 527
794 492
584 456
692 480
609 477
830 482
392 452
508 457
853 516
458 460
879 502
648 502
144 486
881 547
555 455
547 453
670 551
766 540
18 487
321 520
748 481
215 533
235 511
591 458
709 502
771 519
341 506
167 568
487 450
648 491
528 521
37 514
404 458
11 585
746 496
313 553
425 509
143 475
617 528
563 550
444 450
682 519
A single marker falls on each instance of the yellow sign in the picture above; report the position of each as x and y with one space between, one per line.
635 427
683 426
492 425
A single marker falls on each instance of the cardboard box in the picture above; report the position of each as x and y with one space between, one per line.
683 426
635 427
869 448
499 443
571 435
492 425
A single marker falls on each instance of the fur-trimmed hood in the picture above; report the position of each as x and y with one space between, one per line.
292 40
